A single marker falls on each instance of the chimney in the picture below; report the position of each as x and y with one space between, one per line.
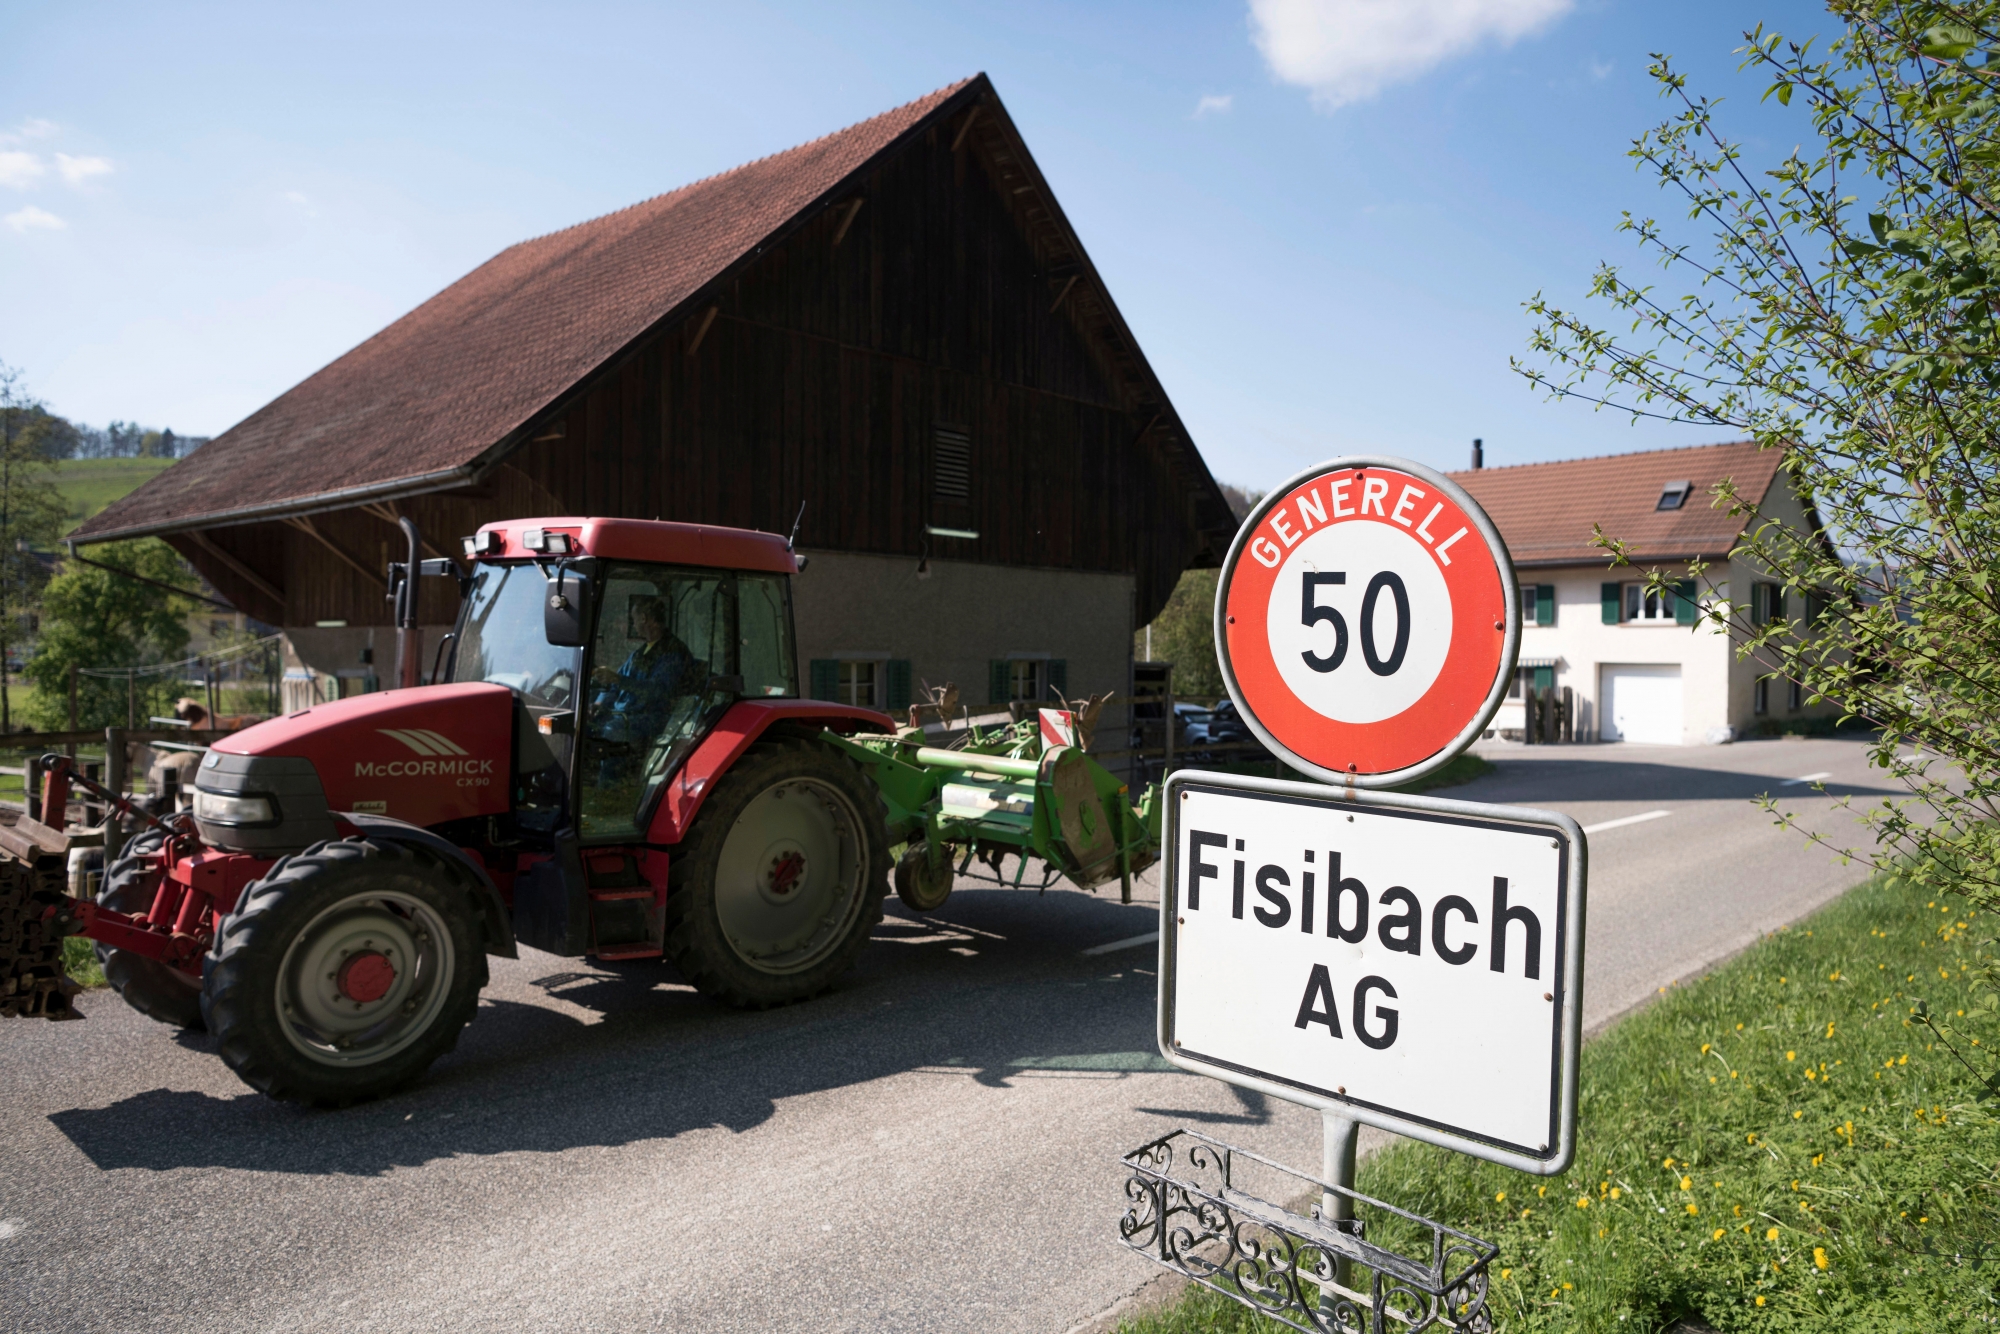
1478 455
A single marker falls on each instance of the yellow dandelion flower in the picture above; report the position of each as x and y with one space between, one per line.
1797 1115
1686 1182
1583 1201
1739 1028
1693 1209
1506 1273
1568 1286
1791 1056
1616 1192
1760 1301
1704 1049
1829 1030
1770 1234
1819 1256
1718 1234
1501 1196
1668 1163
1739 1211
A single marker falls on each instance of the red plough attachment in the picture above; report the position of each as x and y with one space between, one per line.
196 887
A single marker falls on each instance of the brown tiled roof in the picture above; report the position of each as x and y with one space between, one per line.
1545 510
451 380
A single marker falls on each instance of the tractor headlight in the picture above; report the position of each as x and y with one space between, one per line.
221 808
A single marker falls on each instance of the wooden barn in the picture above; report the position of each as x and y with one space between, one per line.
893 326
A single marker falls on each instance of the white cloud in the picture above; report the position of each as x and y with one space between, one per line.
32 219
30 129
77 170
1212 104
20 170
1349 50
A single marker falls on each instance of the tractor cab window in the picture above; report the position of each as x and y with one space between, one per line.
501 639
673 649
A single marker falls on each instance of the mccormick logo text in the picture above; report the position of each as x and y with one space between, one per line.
455 759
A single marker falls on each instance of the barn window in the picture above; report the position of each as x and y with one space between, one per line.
951 465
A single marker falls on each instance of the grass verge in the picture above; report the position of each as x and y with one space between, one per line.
80 962
1462 769
1781 1145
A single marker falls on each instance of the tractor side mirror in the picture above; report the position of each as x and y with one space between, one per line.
563 610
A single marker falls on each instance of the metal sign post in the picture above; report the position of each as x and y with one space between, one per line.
1397 961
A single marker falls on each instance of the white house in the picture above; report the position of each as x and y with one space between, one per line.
1639 668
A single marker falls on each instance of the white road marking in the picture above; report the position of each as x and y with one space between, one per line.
1630 819
1808 778
1130 942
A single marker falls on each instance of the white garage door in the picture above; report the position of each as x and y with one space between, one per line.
1642 703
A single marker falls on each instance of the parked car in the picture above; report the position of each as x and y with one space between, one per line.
1225 724
1191 722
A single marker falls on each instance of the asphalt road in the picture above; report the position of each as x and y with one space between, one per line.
932 1147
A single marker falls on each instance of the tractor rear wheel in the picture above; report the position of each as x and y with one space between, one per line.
155 989
343 973
778 884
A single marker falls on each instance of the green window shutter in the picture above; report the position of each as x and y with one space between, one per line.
825 680
1609 599
1545 678
899 685
999 684
1685 607
1545 604
1777 602
1058 677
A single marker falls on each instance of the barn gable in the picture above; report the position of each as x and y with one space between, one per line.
893 326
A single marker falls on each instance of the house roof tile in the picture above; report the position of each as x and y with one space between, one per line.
453 378
1546 511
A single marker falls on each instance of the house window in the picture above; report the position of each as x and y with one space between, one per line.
1537 677
1538 604
1674 495
1767 603
1760 698
1794 696
1646 604
1024 679
860 683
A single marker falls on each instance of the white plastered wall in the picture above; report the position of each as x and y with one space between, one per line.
950 624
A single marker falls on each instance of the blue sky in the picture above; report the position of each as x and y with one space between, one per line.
1320 218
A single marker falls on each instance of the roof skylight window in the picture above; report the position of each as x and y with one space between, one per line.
1674 495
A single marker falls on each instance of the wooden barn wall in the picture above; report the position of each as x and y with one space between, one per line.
820 381
827 368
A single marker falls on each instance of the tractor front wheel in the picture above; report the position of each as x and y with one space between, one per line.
778 884
154 988
343 973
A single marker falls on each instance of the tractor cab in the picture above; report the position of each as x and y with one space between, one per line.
625 643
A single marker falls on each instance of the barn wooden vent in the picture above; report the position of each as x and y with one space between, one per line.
951 464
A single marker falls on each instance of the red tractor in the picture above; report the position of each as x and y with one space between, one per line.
616 763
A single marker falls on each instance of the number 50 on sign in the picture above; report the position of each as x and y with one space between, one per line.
1366 624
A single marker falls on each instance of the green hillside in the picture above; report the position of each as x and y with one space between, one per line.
91 484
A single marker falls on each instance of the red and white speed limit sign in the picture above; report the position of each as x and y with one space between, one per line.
1366 620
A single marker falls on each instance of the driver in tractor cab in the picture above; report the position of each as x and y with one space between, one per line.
634 699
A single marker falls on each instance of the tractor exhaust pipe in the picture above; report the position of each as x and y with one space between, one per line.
409 639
